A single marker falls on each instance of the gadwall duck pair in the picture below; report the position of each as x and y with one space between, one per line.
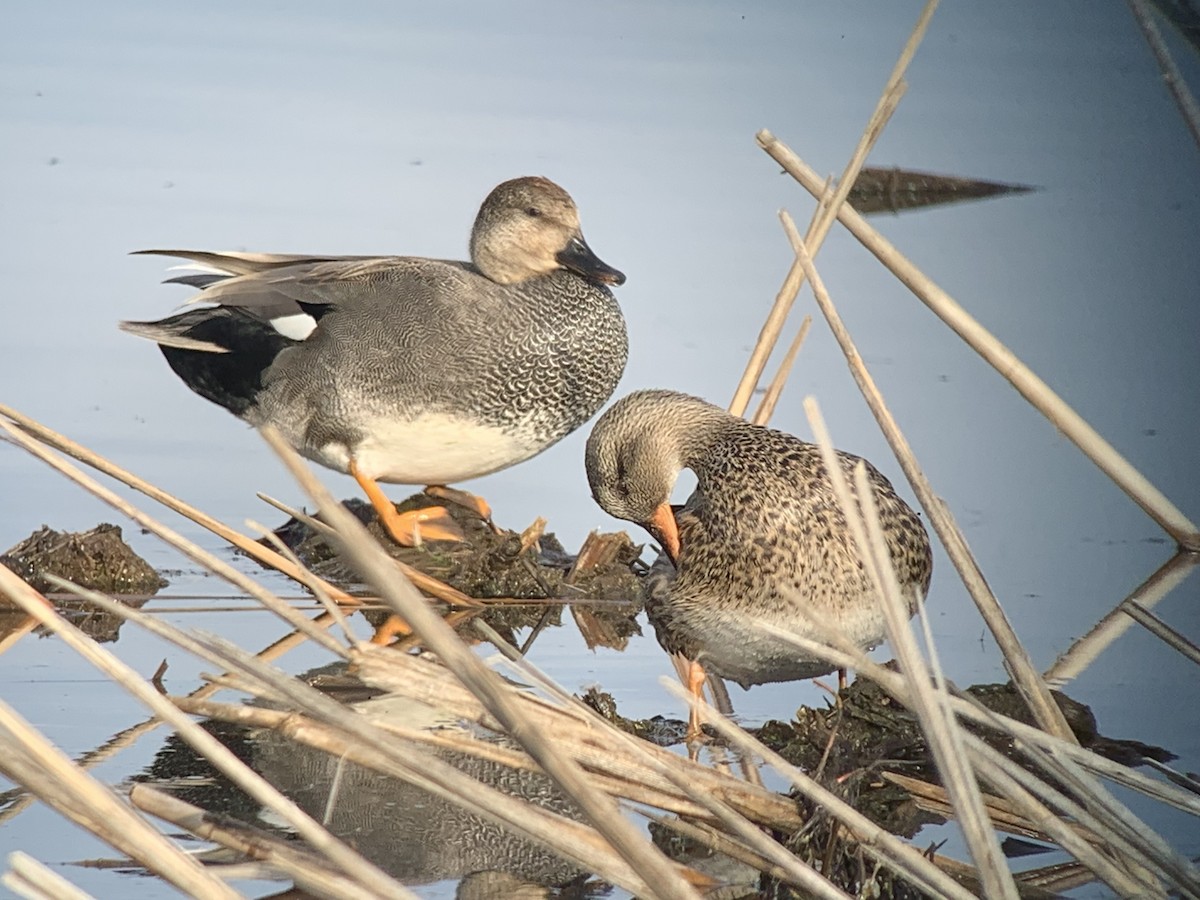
421 371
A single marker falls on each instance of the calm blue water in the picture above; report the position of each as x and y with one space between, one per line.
295 127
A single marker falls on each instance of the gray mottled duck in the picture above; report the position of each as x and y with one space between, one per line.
761 540
410 370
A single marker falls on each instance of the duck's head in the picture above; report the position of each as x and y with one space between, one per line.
529 227
633 458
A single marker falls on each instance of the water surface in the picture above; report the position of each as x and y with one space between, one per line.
380 128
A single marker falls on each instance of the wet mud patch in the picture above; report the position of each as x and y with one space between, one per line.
98 559
601 581
851 747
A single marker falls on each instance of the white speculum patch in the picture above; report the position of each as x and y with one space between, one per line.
434 448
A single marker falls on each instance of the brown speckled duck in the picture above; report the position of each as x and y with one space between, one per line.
761 540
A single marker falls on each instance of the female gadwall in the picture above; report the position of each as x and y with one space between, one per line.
411 370
761 540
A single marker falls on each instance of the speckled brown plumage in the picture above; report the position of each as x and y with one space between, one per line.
761 539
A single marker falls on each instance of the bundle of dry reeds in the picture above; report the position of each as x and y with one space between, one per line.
602 773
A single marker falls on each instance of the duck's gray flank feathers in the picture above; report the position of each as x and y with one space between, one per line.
762 538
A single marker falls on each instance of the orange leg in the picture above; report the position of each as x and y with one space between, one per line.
410 528
465 499
392 627
695 685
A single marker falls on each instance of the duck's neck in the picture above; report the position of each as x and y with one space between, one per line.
707 426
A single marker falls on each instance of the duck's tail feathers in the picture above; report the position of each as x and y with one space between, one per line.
220 353
168 334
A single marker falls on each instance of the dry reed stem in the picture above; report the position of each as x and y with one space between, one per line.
374 746
1130 841
432 586
791 869
774 391
593 746
90 458
350 862
1084 651
937 722
881 844
854 658
1028 815
1171 75
308 871
1032 388
378 751
1161 630
1062 832
1024 674
331 606
129 736
189 549
772 327
661 878
707 835
1118 819
573 840
41 767
29 878
822 220
251 548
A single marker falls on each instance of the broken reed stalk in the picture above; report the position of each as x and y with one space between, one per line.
1084 651
659 873
1058 754
129 736
189 549
1138 852
308 872
937 723
327 602
375 747
1021 668
774 391
251 548
34 762
350 862
1171 75
1037 392
28 878
59 442
1161 630
880 844
573 840
822 219
791 869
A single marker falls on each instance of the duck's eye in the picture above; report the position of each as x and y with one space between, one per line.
533 212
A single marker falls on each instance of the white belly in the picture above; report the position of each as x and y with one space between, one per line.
435 448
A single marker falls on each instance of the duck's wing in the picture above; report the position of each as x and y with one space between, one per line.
291 292
233 262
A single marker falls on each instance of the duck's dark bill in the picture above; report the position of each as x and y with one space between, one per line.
579 258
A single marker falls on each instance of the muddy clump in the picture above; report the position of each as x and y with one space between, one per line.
490 563
98 559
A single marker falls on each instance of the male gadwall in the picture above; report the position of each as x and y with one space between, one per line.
411 370
761 540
